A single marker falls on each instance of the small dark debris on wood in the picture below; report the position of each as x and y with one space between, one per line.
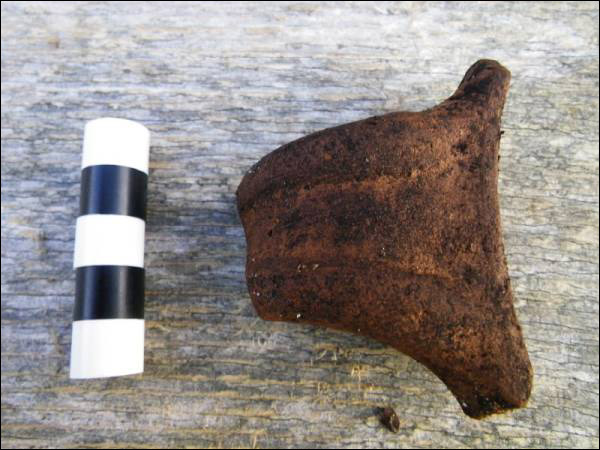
389 418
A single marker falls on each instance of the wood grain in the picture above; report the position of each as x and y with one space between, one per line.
220 85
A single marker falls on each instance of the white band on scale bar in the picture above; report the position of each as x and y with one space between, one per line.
118 142
108 318
107 348
109 239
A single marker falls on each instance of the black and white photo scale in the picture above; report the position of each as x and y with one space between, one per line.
108 317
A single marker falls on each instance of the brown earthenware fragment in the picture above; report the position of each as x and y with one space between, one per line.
389 227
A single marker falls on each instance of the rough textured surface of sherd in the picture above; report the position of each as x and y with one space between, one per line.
389 227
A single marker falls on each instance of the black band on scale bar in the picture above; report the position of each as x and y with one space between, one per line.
109 292
108 189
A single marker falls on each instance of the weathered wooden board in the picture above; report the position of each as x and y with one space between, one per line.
220 85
